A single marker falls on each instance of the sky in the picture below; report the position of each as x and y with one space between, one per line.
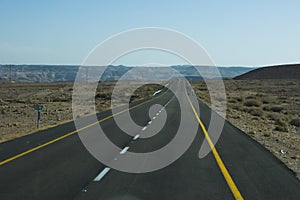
233 33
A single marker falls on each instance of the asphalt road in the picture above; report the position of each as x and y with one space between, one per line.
54 164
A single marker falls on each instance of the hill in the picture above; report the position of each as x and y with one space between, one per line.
272 72
58 73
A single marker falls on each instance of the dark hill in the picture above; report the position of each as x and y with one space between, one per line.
272 72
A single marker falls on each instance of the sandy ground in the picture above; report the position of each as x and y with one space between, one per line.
17 100
268 111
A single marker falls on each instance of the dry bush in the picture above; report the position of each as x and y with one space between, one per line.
273 108
202 89
103 96
256 112
251 133
267 134
244 109
281 122
252 102
235 107
273 116
250 97
276 108
295 122
239 99
281 128
267 100
232 100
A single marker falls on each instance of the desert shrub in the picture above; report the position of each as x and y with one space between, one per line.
286 112
281 128
149 88
283 99
267 134
250 97
251 133
267 100
289 83
281 125
134 97
59 99
273 116
245 109
276 108
232 101
202 89
259 95
239 99
295 122
3 111
283 90
252 102
267 108
256 112
235 107
104 96
280 122
273 108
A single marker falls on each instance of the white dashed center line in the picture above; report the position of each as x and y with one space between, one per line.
124 150
136 137
102 174
156 92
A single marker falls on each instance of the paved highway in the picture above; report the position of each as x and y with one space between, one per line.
54 164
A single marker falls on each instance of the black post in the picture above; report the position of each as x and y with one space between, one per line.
38 108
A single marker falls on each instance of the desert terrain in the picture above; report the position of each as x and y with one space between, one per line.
17 100
266 110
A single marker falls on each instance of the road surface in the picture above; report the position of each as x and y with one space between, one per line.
54 164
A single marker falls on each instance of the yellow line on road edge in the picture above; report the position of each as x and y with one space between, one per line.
236 193
73 132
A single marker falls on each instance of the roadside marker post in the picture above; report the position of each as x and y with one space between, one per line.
38 108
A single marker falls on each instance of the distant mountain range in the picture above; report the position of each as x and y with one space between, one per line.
57 73
272 72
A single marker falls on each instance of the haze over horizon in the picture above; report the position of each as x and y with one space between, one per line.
233 33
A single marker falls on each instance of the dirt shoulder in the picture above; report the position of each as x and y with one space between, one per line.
268 111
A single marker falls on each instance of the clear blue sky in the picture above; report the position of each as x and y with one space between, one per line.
252 33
